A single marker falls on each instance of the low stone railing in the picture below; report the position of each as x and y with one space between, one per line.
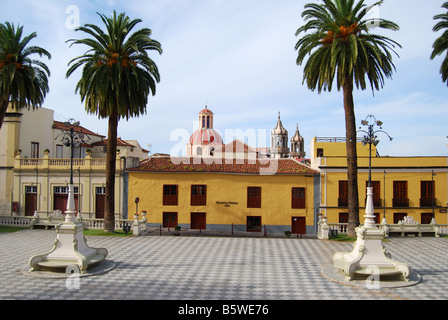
137 226
325 229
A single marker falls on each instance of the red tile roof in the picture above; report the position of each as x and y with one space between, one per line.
213 165
120 143
61 126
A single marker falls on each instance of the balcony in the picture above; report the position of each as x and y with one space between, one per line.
47 163
428 202
342 202
400 203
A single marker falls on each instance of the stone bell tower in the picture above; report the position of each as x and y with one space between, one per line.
279 141
297 145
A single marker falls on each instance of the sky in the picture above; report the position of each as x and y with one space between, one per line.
238 58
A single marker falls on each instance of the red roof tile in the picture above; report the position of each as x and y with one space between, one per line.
61 126
213 165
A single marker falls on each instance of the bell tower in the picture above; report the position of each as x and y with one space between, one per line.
279 141
297 145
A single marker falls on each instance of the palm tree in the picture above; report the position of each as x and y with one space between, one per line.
339 44
441 44
23 80
117 78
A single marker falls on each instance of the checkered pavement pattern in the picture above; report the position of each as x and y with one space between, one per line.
214 268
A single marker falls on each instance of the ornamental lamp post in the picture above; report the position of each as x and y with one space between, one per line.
70 248
72 139
370 138
368 250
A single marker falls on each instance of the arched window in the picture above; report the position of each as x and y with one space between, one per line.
199 151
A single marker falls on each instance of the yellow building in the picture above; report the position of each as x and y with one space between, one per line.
216 194
403 186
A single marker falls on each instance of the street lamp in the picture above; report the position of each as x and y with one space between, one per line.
72 139
370 138
368 250
70 248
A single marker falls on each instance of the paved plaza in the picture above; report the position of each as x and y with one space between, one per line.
216 268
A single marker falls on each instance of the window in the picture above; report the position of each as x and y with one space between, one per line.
254 197
427 194
30 189
400 194
254 224
100 190
343 194
170 196
426 218
320 153
59 151
198 195
35 150
64 190
298 198
399 216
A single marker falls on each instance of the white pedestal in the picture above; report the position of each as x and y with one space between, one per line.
369 256
70 247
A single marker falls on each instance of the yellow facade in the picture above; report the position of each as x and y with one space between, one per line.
415 173
226 198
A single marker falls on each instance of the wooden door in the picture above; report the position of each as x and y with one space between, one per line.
100 200
30 204
60 202
170 219
298 225
198 220
400 194
376 188
343 194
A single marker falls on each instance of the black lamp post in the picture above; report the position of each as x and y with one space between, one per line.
370 138
72 138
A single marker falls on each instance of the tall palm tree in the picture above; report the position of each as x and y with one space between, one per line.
339 43
23 80
117 78
441 44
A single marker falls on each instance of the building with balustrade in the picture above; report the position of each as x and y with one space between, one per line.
402 186
35 166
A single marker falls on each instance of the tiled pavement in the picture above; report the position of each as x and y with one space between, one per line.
214 268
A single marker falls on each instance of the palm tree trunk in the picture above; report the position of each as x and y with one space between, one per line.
352 159
3 108
109 208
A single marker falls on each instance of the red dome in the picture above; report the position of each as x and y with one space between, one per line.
206 136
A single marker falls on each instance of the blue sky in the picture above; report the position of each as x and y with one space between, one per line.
238 57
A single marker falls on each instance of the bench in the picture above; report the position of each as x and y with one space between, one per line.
51 221
409 226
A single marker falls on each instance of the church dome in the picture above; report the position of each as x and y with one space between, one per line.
206 136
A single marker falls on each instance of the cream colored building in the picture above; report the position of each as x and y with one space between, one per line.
35 166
